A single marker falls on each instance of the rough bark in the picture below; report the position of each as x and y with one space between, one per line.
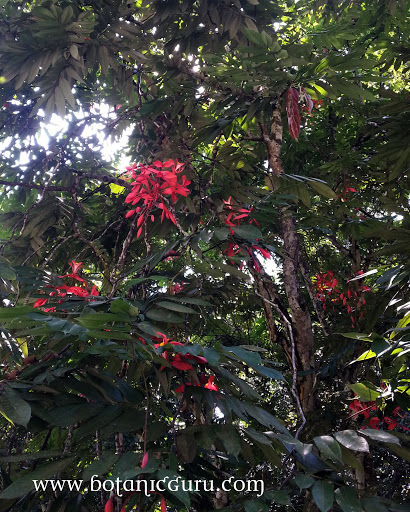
301 321
273 141
301 324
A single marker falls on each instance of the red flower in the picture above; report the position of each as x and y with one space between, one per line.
391 424
94 291
76 290
144 460
150 186
39 303
360 408
397 411
264 252
210 384
75 267
374 423
179 364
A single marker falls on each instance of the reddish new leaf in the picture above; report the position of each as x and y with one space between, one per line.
292 110
109 506
163 504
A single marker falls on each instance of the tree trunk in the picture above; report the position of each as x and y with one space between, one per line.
301 321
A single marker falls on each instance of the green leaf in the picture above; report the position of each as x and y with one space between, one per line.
374 504
269 372
176 307
304 481
10 313
251 358
13 407
151 329
190 300
120 306
266 447
100 466
212 356
302 192
231 269
347 499
25 484
93 320
356 336
401 451
265 418
364 393
351 440
380 436
179 493
6 272
159 315
322 492
110 334
350 459
322 188
74 413
279 497
107 416
329 448
255 505
368 354
248 232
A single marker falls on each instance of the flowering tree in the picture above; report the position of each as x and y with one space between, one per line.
204 255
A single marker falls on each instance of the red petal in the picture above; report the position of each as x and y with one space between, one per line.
200 359
94 291
139 232
39 303
163 504
128 214
144 460
180 365
109 506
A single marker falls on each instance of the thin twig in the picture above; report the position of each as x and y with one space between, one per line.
294 368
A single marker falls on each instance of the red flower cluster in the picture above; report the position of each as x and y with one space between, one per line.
326 290
179 361
62 291
239 215
346 193
151 183
364 408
